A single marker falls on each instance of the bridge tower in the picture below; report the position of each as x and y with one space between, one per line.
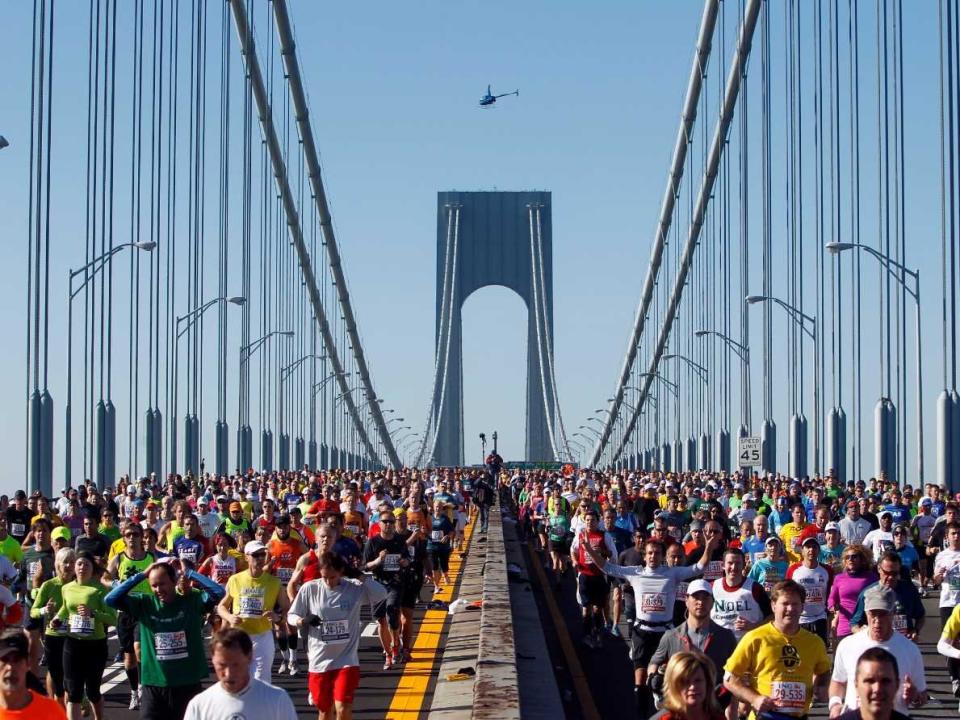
494 238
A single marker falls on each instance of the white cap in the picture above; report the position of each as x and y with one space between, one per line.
699 586
254 546
832 526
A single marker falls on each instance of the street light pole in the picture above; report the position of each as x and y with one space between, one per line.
97 264
244 431
801 318
890 265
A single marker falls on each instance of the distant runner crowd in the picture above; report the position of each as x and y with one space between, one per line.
748 596
251 574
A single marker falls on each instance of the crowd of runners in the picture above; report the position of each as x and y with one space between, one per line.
744 595
736 595
253 574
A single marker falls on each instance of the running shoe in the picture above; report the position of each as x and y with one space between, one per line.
134 700
588 641
615 631
407 655
292 668
387 662
397 656
283 668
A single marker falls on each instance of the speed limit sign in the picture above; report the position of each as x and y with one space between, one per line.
748 451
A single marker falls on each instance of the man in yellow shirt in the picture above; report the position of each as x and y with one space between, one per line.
790 532
778 666
253 603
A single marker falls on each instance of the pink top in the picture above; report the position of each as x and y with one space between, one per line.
843 596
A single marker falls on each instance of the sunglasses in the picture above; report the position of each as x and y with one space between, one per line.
388 522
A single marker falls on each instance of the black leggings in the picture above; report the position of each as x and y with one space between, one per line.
83 664
53 648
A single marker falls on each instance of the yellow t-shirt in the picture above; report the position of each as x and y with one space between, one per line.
780 666
951 629
788 534
252 597
116 547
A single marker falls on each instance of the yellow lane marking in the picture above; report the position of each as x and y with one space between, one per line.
407 701
566 644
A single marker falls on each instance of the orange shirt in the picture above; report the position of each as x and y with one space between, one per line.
39 708
354 524
284 554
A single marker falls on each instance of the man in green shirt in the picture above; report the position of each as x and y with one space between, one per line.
9 546
172 660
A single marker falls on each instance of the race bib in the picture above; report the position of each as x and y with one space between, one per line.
335 632
412 551
653 603
250 606
352 529
190 555
170 645
814 595
284 574
80 625
760 556
789 694
436 535
18 529
714 570
900 624
414 527
391 562
682 592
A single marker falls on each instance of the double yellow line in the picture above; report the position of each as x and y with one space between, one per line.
407 702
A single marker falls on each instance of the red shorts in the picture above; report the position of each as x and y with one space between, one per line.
339 685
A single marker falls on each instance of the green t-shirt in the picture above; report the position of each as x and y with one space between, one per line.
112 533
11 548
128 567
171 639
50 590
90 594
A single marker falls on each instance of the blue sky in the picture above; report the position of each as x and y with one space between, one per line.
392 90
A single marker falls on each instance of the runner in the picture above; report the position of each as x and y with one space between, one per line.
739 604
251 602
284 551
653 586
45 606
133 560
238 694
170 624
328 611
17 700
779 666
815 579
37 568
877 673
386 556
83 616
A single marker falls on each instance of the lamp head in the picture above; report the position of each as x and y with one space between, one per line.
286 333
836 247
754 299
3 142
237 300
147 245
702 333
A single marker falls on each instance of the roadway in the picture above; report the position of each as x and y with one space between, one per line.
403 693
598 684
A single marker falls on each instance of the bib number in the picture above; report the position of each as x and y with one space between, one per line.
80 625
436 535
335 632
284 574
250 607
900 624
352 529
391 562
789 694
18 529
171 645
653 603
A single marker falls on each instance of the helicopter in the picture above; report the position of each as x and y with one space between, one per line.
489 99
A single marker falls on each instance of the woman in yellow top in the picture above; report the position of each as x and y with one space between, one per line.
84 615
45 606
254 602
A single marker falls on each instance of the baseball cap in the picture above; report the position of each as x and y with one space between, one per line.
701 585
235 506
881 598
131 490
254 546
60 532
926 501
851 503
832 526
13 640
696 525
885 512
283 519
811 539
203 501
773 539
20 495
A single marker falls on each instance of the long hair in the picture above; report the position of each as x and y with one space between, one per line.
680 670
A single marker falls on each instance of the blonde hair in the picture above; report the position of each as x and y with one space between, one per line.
680 670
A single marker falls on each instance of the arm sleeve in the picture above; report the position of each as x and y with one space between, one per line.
37 609
298 608
373 591
212 592
685 572
660 656
858 614
117 598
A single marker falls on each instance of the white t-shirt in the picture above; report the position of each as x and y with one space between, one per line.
257 701
908 656
879 541
949 560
